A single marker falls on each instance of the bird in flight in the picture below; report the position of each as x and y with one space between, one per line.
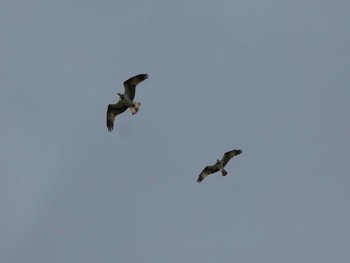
126 100
218 166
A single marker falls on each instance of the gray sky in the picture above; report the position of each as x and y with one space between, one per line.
268 77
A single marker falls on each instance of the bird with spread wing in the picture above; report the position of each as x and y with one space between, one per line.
126 100
218 166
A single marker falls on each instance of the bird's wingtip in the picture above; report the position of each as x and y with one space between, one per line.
200 179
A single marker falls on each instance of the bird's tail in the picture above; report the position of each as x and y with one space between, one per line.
223 172
135 109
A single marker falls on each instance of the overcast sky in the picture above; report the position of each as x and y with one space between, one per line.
268 77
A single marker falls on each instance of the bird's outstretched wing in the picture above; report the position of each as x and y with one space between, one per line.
208 170
131 84
228 155
112 111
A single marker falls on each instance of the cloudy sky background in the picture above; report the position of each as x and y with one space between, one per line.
268 77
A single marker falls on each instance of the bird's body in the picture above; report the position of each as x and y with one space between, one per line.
218 166
126 100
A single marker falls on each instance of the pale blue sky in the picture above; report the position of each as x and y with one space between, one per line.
268 77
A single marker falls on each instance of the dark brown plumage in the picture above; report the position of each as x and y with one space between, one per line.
218 166
126 100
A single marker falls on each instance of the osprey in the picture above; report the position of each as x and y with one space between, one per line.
126 100
219 166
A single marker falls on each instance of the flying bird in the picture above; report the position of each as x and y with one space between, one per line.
218 166
126 100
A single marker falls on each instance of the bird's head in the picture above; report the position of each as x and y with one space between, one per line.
218 161
121 96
